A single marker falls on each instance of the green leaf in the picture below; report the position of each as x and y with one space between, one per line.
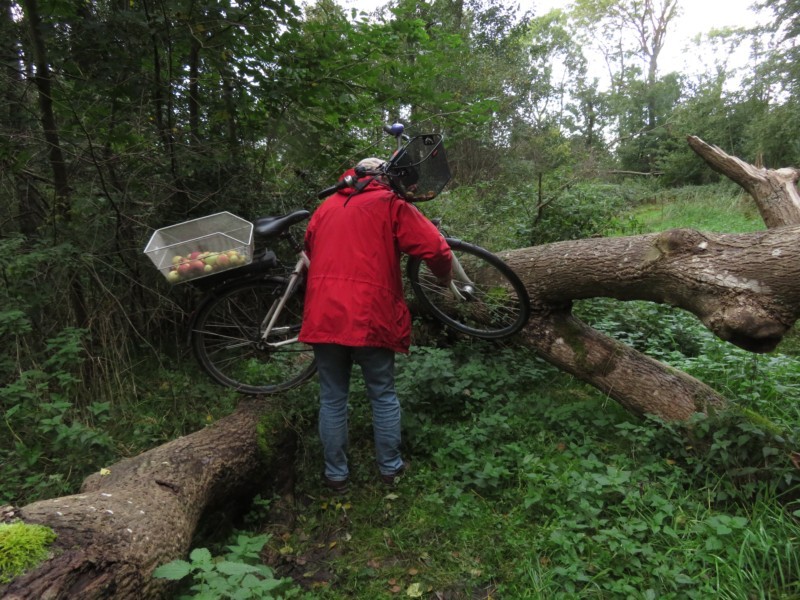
235 568
200 555
713 544
177 569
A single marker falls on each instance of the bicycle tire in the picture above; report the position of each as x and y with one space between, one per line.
225 338
494 306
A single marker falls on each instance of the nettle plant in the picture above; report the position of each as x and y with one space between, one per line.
238 575
45 422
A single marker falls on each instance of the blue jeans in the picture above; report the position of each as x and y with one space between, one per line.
335 364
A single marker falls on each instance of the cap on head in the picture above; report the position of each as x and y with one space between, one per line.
371 164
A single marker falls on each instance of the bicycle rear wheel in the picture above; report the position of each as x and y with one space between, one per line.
226 339
492 302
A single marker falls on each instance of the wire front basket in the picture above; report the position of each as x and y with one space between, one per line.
420 170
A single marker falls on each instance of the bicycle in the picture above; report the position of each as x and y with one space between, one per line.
244 330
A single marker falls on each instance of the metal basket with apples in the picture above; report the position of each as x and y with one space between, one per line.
201 247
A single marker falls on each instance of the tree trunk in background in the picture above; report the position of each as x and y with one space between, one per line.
24 204
194 92
44 86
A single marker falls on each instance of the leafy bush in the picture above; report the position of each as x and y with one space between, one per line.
49 433
586 210
605 500
446 385
655 329
759 383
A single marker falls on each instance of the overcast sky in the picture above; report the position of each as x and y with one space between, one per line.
697 17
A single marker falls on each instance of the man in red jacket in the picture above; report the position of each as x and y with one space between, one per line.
355 311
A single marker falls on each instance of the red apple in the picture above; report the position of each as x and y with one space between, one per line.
184 268
223 261
195 254
197 265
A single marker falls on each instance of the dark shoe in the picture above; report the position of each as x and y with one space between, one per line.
338 487
392 478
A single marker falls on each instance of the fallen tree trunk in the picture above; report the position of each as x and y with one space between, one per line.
143 513
744 287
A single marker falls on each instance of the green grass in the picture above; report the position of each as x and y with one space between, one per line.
721 208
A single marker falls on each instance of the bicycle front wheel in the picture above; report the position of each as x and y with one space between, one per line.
489 300
227 339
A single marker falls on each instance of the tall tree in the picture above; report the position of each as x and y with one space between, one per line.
24 203
631 35
37 30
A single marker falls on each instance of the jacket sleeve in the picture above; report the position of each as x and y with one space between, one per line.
418 237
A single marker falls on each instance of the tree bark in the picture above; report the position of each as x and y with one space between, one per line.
143 513
743 287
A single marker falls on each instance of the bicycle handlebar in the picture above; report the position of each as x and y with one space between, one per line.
348 181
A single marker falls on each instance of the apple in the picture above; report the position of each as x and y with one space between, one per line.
208 269
223 261
211 259
173 277
235 257
177 259
184 268
197 265
194 255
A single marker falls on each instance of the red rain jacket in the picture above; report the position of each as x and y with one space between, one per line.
354 294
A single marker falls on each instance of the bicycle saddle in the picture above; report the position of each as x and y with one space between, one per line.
270 226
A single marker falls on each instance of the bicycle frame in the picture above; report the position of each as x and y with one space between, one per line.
460 275
277 306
